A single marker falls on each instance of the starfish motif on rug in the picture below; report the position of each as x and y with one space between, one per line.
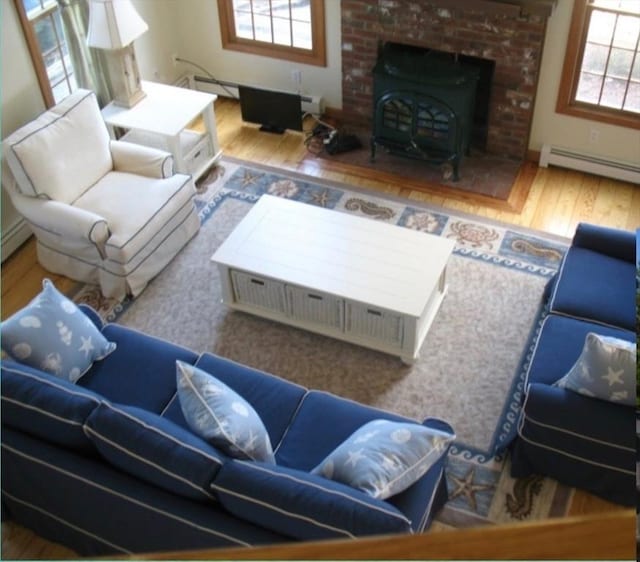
249 178
466 488
321 198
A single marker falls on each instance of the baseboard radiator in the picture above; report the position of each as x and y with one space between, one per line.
310 104
574 160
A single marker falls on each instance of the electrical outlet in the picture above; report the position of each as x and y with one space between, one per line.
174 59
296 76
594 135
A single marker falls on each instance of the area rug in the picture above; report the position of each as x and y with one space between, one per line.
472 363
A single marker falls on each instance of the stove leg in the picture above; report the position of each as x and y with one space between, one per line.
456 175
373 150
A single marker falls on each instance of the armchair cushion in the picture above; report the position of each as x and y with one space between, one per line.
135 208
74 140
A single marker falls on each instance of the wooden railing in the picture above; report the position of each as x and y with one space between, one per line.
604 537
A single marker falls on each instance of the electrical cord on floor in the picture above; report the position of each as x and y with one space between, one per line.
318 137
199 67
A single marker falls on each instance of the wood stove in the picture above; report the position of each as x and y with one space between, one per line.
424 102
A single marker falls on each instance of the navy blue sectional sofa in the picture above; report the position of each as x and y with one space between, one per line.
109 464
579 440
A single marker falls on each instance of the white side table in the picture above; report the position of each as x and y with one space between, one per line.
162 119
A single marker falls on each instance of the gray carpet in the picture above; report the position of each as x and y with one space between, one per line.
470 363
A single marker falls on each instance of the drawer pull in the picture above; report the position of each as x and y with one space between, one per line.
197 154
316 297
257 282
374 312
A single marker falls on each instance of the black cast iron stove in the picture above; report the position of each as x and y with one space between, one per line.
424 103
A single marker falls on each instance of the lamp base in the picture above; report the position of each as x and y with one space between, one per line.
131 100
125 77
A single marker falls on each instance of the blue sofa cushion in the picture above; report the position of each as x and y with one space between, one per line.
141 373
595 451
606 369
275 400
97 510
52 334
221 416
605 258
46 406
560 343
154 449
619 244
312 437
309 439
384 458
302 505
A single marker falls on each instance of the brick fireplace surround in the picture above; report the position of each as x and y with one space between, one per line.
509 32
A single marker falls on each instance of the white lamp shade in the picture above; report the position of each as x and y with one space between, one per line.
113 24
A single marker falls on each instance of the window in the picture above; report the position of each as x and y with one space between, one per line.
286 29
601 75
42 26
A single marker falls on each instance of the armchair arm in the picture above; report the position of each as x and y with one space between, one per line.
63 220
620 244
141 160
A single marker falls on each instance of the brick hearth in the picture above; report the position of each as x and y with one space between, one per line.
511 35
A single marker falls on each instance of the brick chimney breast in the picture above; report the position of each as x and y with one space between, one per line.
513 38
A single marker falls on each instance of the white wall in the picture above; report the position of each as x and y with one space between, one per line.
21 102
619 143
198 33
155 47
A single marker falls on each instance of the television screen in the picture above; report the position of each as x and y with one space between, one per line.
275 111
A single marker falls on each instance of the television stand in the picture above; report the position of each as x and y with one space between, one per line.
272 129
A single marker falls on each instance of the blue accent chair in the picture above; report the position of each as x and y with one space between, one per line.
581 441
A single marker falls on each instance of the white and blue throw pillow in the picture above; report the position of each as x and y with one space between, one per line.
221 416
606 369
383 457
52 334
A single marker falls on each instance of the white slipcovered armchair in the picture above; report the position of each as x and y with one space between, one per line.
105 212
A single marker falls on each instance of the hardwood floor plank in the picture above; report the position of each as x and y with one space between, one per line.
633 220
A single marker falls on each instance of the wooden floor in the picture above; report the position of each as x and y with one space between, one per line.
555 201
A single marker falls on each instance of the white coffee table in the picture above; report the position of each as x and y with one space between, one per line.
352 278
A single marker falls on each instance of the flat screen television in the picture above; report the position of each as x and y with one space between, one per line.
274 111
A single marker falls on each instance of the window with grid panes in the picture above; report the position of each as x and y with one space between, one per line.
286 29
47 43
601 77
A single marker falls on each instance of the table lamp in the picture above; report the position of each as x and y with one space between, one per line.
113 26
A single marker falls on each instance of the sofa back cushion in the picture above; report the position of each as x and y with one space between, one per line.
275 400
141 372
71 139
314 432
301 505
154 449
46 406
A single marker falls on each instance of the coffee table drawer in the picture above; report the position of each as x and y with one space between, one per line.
258 291
371 322
313 306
